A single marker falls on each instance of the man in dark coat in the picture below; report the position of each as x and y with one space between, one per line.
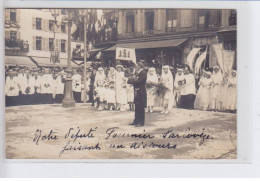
140 99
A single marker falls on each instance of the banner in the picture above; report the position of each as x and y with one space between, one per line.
127 54
191 57
228 60
218 50
199 61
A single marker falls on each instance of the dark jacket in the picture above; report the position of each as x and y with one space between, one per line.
139 82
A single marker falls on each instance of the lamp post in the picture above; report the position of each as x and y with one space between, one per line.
84 13
54 53
68 100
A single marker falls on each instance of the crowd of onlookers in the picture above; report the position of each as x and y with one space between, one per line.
107 88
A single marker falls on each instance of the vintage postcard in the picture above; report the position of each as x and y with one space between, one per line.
120 83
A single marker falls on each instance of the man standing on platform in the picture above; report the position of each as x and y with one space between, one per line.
140 100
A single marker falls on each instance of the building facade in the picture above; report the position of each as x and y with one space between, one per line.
168 35
37 37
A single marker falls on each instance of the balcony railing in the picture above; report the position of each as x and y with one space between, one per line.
20 45
77 53
136 34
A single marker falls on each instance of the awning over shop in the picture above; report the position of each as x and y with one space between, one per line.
45 62
150 44
19 60
64 63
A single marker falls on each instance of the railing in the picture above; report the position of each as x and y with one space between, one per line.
77 53
18 44
135 34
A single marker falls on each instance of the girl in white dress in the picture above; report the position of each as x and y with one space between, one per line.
167 81
100 76
203 96
123 96
217 80
231 103
111 99
151 78
130 96
118 86
111 74
178 82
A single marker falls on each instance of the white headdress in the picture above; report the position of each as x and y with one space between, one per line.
152 78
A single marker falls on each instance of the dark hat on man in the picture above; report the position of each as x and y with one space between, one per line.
140 64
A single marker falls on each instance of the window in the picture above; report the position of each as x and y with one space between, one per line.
63 28
51 44
233 18
171 16
204 18
13 15
149 20
38 23
38 43
51 25
63 45
130 20
13 35
63 11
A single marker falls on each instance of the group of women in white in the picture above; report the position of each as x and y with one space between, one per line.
216 92
112 91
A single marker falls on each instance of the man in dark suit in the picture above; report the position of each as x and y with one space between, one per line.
140 100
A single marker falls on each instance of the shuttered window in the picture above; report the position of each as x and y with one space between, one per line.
38 43
171 18
63 46
51 44
38 23
13 35
63 28
204 18
13 15
51 25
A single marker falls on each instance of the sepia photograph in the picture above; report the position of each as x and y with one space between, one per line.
84 83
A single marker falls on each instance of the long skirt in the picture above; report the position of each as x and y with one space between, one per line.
202 100
123 97
231 102
150 98
216 97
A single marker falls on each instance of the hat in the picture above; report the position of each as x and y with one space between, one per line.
216 67
100 69
151 69
119 66
140 64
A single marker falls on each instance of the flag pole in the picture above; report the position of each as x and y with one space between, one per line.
85 58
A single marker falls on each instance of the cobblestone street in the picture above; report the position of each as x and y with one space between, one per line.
216 134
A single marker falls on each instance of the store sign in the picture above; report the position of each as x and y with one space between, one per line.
127 54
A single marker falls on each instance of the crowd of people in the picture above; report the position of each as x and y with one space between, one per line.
107 88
